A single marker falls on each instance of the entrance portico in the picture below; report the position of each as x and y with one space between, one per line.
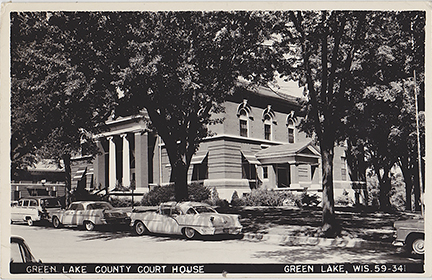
294 166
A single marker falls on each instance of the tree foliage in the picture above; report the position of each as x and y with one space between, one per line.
53 102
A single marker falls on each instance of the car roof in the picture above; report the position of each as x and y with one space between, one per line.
184 205
90 202
38 197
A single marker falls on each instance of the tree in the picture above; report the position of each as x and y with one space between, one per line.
54 106
318 49
182 66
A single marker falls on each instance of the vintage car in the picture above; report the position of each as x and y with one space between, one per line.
185 218
89 214
33 209
20 252
410 233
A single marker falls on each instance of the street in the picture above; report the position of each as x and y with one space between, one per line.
73 245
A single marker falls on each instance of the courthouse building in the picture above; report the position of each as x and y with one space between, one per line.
257 146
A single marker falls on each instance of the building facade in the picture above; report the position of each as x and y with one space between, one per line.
257 146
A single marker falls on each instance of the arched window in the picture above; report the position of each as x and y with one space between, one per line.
269 119
291 120
244 113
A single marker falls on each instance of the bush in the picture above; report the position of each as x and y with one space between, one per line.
235 200
344 199
307 200
264 197
159 194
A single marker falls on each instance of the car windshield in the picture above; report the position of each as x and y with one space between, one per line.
100 205
204 209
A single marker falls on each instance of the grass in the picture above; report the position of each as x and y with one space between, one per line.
367 224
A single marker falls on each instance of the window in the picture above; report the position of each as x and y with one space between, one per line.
265 172
200 171
343 169
33 203
291 131
248 170
26 203
243 124
267 131
269 118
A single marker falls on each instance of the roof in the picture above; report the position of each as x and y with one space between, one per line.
289 149
267 92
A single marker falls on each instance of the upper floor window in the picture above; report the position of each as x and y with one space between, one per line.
244 113
244 131
291 127
269 119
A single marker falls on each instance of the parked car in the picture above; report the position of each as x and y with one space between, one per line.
20 252
410 233
33 209
89 214
185 218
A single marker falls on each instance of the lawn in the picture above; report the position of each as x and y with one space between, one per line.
356 223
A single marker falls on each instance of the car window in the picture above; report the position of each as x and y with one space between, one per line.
166 211
100 205
73 206
176 211
204 209
16 255
20 203
25 203
190 211
80 207
33 203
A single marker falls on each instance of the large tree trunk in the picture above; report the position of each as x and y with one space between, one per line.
179 175
330 225
385 187
68 178
407 174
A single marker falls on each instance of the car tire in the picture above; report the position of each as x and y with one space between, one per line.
56 222
30 222
189 233
89 226
140 228
416 245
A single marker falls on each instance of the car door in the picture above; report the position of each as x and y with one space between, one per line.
168 223
79 215
69 215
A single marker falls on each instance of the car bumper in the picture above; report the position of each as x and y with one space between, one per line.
231 231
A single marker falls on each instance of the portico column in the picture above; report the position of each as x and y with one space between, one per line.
112 163
126 161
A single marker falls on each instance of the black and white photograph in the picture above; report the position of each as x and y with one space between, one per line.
193 139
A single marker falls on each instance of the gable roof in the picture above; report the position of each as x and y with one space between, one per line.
290 149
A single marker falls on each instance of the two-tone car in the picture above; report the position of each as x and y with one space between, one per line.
34 209
90 214
190 219
410 234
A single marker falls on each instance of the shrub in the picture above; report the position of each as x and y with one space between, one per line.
344 199
235 200
264 197
159 194
307 200
122 201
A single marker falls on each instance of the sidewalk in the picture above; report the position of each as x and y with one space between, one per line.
284 237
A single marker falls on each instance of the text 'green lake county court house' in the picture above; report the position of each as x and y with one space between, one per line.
258 145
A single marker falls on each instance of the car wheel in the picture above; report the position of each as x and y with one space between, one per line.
417 245
30 222
56 222
190 233
140 228
89 226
